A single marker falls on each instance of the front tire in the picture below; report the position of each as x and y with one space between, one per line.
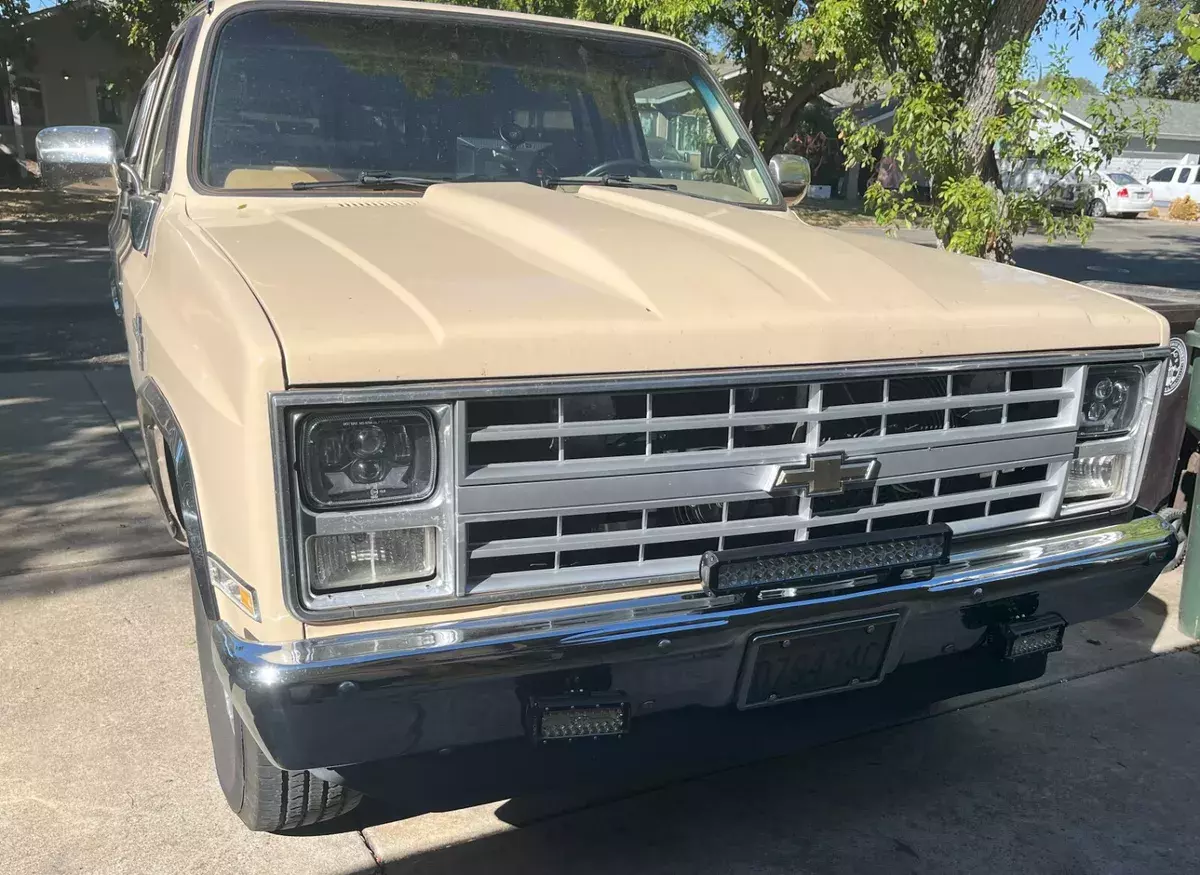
1097 210
265 797
278 800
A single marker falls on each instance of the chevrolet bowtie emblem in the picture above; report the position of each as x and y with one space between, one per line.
826 474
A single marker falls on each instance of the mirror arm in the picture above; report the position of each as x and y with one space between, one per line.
135 181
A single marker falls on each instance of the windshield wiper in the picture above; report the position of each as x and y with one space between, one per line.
369 180
607 179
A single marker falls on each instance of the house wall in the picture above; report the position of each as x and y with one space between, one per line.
1137 159
1140 161
1031 176
69 70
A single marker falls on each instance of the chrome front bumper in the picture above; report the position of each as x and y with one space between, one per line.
335 701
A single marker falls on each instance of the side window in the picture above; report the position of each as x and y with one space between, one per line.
1185 174
137 124
156 155
1163 175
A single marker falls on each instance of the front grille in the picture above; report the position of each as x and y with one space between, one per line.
604 488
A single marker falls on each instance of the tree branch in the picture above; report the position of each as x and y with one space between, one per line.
800 98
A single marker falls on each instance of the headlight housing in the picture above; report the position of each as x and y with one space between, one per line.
1112 397
367 458
371 505
1117 407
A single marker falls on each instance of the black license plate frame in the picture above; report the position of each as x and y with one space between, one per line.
845 655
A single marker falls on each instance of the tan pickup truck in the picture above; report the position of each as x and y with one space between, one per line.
480 422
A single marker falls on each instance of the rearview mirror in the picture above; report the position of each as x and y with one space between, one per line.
79 158
792 174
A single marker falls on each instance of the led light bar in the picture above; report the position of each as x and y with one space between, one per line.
563 718
825 559
1027 637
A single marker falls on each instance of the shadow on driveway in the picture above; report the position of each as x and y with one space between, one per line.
55 307
74 492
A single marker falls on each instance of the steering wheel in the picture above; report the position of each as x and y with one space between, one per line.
627 165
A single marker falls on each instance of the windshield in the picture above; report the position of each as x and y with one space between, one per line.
303 96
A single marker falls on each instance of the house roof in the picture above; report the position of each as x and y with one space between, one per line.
659 94
854 94
841 97
1179 120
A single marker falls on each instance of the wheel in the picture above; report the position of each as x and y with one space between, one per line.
1097 210
265 797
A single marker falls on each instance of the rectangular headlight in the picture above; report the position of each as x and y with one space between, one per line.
1096 476
1112 397
366 558
367 458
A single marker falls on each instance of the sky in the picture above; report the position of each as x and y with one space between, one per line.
1079 48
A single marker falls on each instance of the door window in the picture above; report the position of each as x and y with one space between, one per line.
1184 175
1163 175
156 155
136 135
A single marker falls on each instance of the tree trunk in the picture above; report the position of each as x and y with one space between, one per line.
1009 20
1006 21
753 106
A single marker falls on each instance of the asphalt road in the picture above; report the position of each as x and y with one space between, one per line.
104 748
1138 251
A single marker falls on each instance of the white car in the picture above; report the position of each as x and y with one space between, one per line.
1174 182
1114 194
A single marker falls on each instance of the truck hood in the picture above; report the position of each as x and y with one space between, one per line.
503 280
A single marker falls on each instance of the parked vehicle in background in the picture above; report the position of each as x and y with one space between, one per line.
1106 193
1176 181
477 429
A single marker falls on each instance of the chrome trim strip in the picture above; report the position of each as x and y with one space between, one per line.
156 410
981 567
660 488
568 385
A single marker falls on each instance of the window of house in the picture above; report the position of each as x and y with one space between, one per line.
29 102
108 102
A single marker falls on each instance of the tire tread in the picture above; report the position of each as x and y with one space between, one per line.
279 800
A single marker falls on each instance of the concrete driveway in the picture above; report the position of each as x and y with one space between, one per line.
104 747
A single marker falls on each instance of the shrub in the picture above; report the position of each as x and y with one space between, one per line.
1185 209
1153 213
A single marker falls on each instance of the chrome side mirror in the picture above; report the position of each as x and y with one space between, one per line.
78 158
792 174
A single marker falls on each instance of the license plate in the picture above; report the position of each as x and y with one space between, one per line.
816 660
